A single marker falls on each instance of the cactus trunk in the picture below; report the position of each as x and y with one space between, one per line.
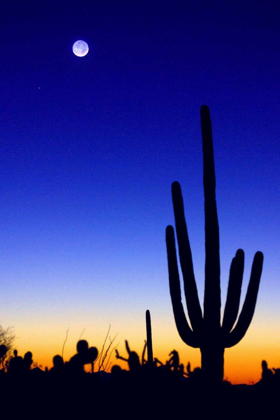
212 364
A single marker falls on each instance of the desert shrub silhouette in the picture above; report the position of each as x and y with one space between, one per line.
205 330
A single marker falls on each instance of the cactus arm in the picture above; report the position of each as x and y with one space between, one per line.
193 305
184 330
248 309
127 347
212 293
120 357
149 338
234 292
143 353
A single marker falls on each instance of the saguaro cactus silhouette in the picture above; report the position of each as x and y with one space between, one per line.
205 330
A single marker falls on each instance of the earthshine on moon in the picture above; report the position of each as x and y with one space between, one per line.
80 48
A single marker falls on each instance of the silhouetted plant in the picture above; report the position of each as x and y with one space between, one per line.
77 362
267 374
132 360
174 360
3 351
91 357
63 346
85 355
205 331
143 360
7 338
105 354
193 375
149 338
16 364
58 366
27 359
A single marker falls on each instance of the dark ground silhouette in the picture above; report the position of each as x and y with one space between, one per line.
157 390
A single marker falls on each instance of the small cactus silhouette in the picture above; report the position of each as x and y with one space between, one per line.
149 338
133 358
205 331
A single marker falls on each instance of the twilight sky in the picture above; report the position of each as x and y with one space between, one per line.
89 148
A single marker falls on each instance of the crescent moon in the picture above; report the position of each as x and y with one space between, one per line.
80 48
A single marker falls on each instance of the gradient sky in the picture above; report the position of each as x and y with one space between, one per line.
89 149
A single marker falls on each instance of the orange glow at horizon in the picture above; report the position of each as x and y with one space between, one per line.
242 362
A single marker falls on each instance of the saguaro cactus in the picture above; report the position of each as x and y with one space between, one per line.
205 330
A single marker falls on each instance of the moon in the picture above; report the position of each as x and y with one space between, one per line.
80 48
